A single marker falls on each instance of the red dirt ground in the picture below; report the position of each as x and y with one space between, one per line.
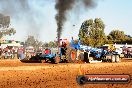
14 74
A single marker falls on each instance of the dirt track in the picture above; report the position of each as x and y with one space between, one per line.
14 74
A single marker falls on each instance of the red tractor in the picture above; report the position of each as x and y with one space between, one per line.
127 51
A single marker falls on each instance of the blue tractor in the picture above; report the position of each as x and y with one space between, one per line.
47 56
89 54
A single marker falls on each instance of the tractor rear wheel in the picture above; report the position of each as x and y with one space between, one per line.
73 55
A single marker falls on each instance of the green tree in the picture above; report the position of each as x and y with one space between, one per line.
31 41
5 26
92 32
45 45
128 39
52 44
109 40
117 36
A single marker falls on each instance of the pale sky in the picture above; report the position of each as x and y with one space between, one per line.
116 14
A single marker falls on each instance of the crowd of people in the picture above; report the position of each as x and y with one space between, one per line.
11 52
7 52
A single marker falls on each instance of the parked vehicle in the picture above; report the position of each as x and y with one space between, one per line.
127 51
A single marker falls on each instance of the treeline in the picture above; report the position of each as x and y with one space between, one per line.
92 33
31 41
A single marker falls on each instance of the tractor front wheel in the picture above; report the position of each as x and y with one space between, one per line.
117 58
113 58
43 61
57 59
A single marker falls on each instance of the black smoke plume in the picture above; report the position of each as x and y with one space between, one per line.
63 6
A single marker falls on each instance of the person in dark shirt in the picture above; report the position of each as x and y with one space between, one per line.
63 48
